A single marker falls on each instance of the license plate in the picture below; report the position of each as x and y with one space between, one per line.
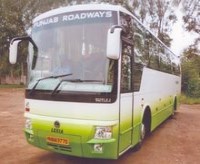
57 140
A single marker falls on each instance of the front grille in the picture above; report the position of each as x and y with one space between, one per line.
60 147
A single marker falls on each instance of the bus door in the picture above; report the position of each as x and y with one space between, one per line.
126 97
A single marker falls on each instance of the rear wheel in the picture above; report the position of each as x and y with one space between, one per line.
174 109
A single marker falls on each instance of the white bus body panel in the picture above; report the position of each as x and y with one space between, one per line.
74 110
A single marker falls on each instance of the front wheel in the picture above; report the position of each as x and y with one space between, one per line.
142 132
141 135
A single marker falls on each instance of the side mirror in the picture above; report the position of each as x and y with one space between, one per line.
13 51
113 42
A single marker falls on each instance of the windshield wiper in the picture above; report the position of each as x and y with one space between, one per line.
72 80
48 77
81 81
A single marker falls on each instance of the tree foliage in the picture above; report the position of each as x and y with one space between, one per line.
11 25
191 16
158 16
191 73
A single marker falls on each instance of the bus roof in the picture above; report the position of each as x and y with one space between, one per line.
81 8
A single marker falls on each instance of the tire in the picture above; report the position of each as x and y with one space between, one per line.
142 132
145 128
142 136
174 109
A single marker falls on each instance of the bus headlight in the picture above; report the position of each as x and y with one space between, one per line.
28 124
103 132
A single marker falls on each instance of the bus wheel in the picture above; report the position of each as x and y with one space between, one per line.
141 135
142 132
174 109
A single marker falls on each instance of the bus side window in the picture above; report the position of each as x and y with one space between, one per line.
175 69
153 53
137 75
126 68
141 54
141 42
165 62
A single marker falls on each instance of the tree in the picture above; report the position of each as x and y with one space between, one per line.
191 16
191 60
191 20
12 24
16 18
191 73
157 15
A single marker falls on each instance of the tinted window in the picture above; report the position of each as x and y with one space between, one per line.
153 53
141 53
126 73
165 62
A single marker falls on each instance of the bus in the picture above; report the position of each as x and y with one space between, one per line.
98 82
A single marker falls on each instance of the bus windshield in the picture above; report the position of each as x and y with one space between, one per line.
72 44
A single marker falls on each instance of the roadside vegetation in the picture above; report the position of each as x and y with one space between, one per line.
11 86
191 76
189 100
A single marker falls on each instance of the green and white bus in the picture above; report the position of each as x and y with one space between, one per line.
98 81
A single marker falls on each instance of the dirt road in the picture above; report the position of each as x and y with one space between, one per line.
176 141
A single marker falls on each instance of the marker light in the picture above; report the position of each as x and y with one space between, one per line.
104 132
27 109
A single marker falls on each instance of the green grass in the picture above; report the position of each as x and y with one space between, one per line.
11 86
189 100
